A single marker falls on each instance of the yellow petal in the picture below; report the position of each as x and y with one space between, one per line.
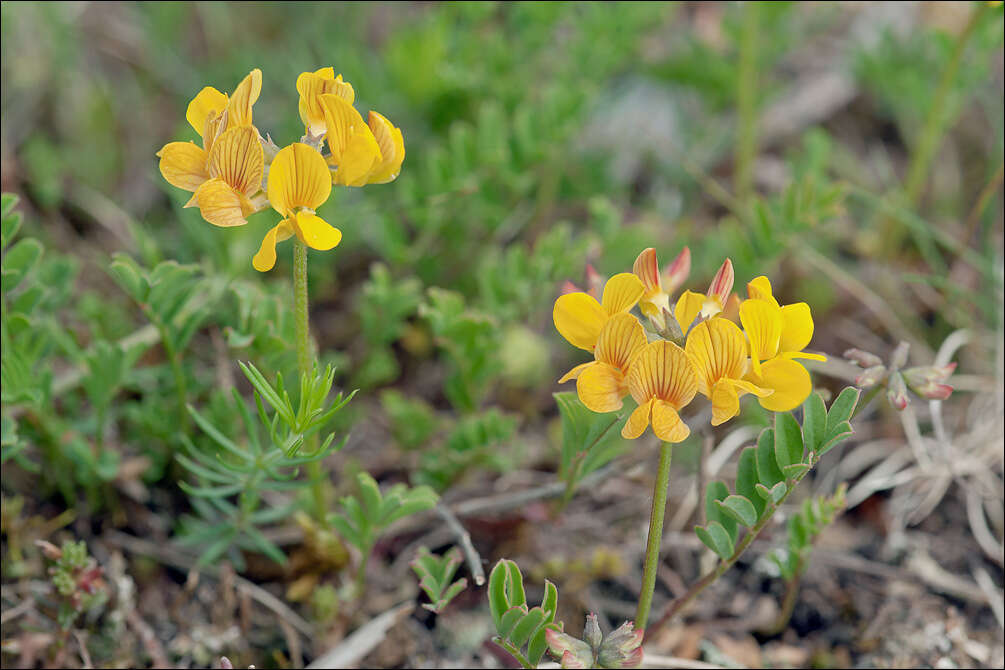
760 289
578 318
575 372
638 421
621 293
619 339
238 159
360 158
265 259
688 308
797 327
311 86
662 370
748 387
298 177
341 119
183 164
763 323
208 102
239 111
725 402
667 424
392 149
718 351
804 355
790 382
220 204
601 387
315 232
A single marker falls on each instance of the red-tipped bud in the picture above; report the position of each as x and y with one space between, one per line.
594 282
622 648
871 377
591 632
571 652
896 392
647 269
863 359
569 287
929 382
722 283
677 272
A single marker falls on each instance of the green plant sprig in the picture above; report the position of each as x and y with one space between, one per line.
435 574
516 625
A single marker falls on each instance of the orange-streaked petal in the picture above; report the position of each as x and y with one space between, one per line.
601 388
662 370
621 293
763 323
579 318
688 308
315 232
265 259
298 177
575 372
678 270
620 338
239 110
790 382
221 205
797 327
647 269
392 149
759 288
718 351
311 86
638 420
722 283
667 424
725 401
183 164
207 103
341 119
238 159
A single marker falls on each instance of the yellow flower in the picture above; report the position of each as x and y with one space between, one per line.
691 305
579 318
361 153
227 170
657 298
601 383
299 183
718 352
311 86
661 379
777 336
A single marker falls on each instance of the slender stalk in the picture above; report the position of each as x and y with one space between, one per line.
514 652
677 605
655 536
305 362
746 102
788 606
933 130
174 358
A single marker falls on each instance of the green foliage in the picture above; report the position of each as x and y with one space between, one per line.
518 626
231 476
768 472
589 440
76 578
476 441
367 512
435 574
804 526
413 420
385 306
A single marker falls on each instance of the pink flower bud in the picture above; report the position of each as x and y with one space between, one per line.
572 653
896 392
594 282
863 359
722 283
569 287
591 632
647 269
622 648
928 382
871 377
678 271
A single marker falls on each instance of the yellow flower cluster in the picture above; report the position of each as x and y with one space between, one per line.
711 355
237 172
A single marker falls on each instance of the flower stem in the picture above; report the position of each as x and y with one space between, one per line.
655 536
305 362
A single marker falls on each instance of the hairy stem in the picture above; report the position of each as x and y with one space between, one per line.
655 536
305 362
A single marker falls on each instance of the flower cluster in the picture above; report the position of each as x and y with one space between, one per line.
697 347
237 172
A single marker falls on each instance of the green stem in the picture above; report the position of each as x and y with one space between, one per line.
305 362
788 606
724 565
180 383
514 652
933 130
655 536
746 102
